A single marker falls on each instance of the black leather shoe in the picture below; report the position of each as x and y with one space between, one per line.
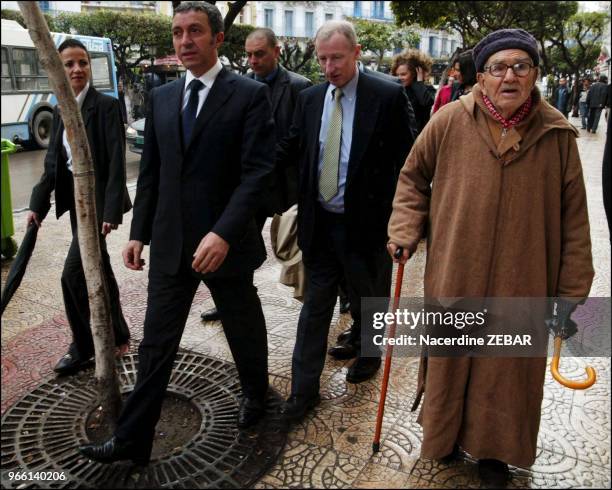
251 410
363 369
296 407
345 336
344 351
493 473
71 364
211 315
116 450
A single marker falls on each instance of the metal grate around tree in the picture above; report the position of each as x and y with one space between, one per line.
41 433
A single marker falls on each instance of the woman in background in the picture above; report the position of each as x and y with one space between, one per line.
412 67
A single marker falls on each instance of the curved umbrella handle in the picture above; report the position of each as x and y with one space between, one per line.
574 385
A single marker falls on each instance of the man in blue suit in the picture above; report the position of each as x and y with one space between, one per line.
205 166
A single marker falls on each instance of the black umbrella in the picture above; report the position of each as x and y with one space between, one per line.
19 265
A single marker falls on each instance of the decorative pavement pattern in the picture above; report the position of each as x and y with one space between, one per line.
42 429
332 447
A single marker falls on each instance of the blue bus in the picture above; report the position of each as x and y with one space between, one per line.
27 99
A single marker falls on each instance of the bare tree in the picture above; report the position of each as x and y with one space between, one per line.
85 206
293 56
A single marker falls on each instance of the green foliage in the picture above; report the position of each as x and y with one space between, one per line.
379 37
13 15
575 48
569 42
475 19
16 16
300 59
312 71
233 47
135 37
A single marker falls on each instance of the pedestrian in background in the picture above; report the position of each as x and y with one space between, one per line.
445 93
412 67
106 135
597 100
464 72
561 98
121 94
506 216
466 75
582 102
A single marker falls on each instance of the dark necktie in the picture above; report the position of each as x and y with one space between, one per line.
191 110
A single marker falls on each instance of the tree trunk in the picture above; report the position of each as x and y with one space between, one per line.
85 205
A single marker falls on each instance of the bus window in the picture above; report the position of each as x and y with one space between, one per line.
29 74
7 83
100 71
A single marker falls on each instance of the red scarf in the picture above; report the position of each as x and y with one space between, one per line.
514 120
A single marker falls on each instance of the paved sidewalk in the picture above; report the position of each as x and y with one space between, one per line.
332 448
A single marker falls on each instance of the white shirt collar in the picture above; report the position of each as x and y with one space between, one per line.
208 78
81 97
350 89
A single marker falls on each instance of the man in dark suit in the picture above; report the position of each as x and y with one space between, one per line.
350 136
106 137
347 343
562 98
263 51
596 101
207 156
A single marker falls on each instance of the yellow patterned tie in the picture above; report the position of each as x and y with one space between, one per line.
328 181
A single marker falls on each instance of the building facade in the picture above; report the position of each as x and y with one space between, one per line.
51 8
294 19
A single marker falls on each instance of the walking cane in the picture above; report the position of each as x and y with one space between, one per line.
388 356
569 383
561 324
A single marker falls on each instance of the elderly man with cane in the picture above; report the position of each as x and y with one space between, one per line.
507 217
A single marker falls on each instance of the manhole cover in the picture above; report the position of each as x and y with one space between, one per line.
41 433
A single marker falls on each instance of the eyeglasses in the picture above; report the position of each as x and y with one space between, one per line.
500 69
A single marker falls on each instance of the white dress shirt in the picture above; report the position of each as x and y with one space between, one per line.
208 79
79 98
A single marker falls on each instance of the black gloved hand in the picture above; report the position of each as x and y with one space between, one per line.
560 323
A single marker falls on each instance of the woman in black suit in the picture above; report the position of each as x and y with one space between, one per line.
106 135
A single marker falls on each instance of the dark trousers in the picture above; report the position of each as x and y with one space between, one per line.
168 304
368 274
76 302
584 114
594 115
260 221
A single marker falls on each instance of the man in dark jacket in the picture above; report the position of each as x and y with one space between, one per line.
208 154
597 100
263 51
561 98
350 136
